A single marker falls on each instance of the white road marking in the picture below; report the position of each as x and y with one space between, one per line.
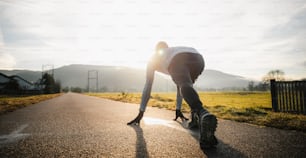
14 136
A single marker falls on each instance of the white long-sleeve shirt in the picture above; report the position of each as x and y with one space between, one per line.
160 62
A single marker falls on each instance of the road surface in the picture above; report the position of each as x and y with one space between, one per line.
75 125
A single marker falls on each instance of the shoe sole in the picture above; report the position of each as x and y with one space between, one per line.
194 124
207 131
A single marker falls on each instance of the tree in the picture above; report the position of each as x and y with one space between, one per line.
50 86
262 86
57 87
251 86
76 89
66 89
277 75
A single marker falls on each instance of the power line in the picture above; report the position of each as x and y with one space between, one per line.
93 75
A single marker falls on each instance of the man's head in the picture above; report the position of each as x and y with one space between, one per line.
160 46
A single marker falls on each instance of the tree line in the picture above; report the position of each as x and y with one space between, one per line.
264 85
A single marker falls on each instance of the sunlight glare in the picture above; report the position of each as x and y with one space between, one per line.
155 121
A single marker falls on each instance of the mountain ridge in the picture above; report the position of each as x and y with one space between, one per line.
123 78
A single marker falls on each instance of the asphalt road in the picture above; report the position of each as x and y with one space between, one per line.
75 125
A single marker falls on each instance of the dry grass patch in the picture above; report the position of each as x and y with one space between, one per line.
11 103
250 107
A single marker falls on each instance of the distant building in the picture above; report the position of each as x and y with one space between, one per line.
16 85
3 81
23 84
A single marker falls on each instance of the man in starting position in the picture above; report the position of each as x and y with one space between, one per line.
184 65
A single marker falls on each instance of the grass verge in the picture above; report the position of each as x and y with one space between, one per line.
12 103
249 107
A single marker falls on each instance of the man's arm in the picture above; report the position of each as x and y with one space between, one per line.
179 99
147 88
145 94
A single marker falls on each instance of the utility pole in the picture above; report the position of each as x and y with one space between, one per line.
49 69
93 75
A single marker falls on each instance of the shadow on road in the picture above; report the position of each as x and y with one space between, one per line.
141 145
221 150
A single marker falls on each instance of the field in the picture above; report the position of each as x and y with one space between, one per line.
249 107
11 103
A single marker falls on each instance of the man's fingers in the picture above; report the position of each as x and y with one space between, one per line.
184 118
129 123
134 122
137 119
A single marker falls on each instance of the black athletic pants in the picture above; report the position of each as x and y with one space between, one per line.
184 70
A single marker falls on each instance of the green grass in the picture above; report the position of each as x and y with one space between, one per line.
249 107
12 103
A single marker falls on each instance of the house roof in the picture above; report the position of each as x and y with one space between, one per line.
15 77
5 79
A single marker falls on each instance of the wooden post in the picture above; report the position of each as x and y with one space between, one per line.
281 92
273 95
290 109
294 95
299 96
304 95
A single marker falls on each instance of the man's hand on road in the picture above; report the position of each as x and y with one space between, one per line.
179 114
136 121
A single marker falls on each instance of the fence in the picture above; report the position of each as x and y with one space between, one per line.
289 96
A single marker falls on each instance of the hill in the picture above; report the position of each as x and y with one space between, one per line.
114 78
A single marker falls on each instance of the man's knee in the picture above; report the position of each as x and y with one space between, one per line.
186 88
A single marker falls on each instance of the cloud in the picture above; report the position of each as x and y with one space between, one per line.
16 34
7 61
286 41
293 27
228 33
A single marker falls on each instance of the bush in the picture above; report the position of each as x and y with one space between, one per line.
76 89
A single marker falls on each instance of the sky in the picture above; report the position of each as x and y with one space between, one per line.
242 37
